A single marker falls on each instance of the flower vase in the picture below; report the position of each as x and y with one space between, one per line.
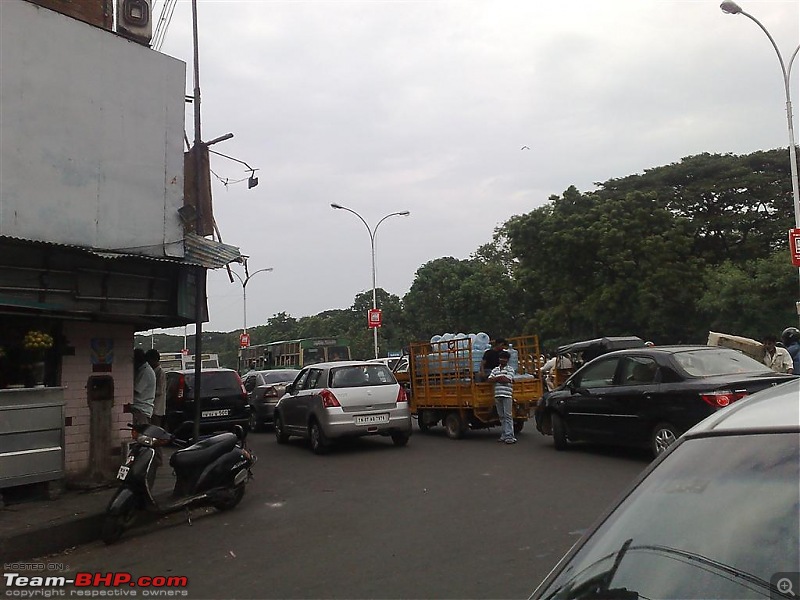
37 370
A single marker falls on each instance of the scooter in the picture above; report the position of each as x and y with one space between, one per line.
212 472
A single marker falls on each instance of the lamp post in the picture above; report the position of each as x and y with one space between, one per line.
244 282
731 8
372 232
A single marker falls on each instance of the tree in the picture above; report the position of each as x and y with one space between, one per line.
467 296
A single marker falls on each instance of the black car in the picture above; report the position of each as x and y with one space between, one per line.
222 397
716 516
648 396
264 389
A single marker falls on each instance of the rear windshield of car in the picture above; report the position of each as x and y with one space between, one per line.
361 375
220 382
707 363
699 526
279 376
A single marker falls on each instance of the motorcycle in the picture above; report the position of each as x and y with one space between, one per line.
212 472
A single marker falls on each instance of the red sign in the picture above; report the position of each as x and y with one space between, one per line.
244 340
374 318
185 351
794 246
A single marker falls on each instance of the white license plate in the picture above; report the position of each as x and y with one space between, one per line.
123 472
372 419
216 413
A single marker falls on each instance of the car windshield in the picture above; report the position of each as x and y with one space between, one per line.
362 375
279 376
220 381
699 526
723 361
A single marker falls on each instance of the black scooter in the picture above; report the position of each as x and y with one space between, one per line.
212 472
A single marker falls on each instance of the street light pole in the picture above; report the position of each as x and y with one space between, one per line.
244 282
731 8
372 232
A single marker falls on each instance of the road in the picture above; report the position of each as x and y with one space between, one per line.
437 519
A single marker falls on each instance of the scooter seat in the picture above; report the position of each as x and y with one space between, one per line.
204 451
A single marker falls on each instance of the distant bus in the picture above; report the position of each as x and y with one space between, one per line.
176 361
293 354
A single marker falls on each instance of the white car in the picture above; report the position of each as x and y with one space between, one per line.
343 399
717 516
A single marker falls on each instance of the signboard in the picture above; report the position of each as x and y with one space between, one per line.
374 317
794 246
185 351
244 340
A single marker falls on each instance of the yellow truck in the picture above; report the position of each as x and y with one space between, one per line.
446 386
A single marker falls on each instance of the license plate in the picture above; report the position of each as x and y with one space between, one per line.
372 419
123 472
216 413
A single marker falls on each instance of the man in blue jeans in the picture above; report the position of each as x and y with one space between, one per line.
502 377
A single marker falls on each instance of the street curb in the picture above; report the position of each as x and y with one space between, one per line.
50 539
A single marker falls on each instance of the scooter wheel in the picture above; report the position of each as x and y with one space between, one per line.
231 500
115 525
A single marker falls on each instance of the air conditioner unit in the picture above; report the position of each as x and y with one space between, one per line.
135 20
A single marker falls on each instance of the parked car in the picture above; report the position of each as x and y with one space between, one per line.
222 396
334 400
717 516
648 396
264 389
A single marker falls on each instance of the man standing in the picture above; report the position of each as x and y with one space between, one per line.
144 388
776 358
502 376
490 358
160 404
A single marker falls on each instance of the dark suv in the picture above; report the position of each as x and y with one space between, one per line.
222 397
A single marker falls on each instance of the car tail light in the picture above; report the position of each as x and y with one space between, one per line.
401 395
722 398
328 399
181 388
271 393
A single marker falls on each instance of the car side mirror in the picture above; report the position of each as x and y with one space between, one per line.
290 388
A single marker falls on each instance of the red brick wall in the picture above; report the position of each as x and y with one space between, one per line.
94 12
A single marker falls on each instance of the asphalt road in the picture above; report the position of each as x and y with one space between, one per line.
437 519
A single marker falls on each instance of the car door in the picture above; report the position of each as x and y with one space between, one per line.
588 406
291 405
632 400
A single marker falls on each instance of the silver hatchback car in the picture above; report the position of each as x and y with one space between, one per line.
343 399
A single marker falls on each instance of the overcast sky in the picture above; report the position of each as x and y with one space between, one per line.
387 106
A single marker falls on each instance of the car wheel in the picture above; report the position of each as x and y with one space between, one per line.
255 423
518 426
280 432
421 422
454 425
400 438
317 439
664 435
559 431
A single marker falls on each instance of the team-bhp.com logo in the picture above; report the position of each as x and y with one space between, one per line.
85 584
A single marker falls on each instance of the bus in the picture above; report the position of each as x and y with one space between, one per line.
178 361
293 354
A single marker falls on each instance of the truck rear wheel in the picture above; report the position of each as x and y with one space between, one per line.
421 422
518 425
454 425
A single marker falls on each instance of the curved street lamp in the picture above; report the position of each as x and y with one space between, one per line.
372 232
244 282
731 8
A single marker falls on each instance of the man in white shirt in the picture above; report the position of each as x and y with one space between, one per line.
776 358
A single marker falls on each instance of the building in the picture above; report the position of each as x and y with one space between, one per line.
93 246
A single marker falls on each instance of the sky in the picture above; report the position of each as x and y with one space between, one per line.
425 106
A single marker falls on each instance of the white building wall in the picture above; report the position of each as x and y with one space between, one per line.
76 371
91 135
